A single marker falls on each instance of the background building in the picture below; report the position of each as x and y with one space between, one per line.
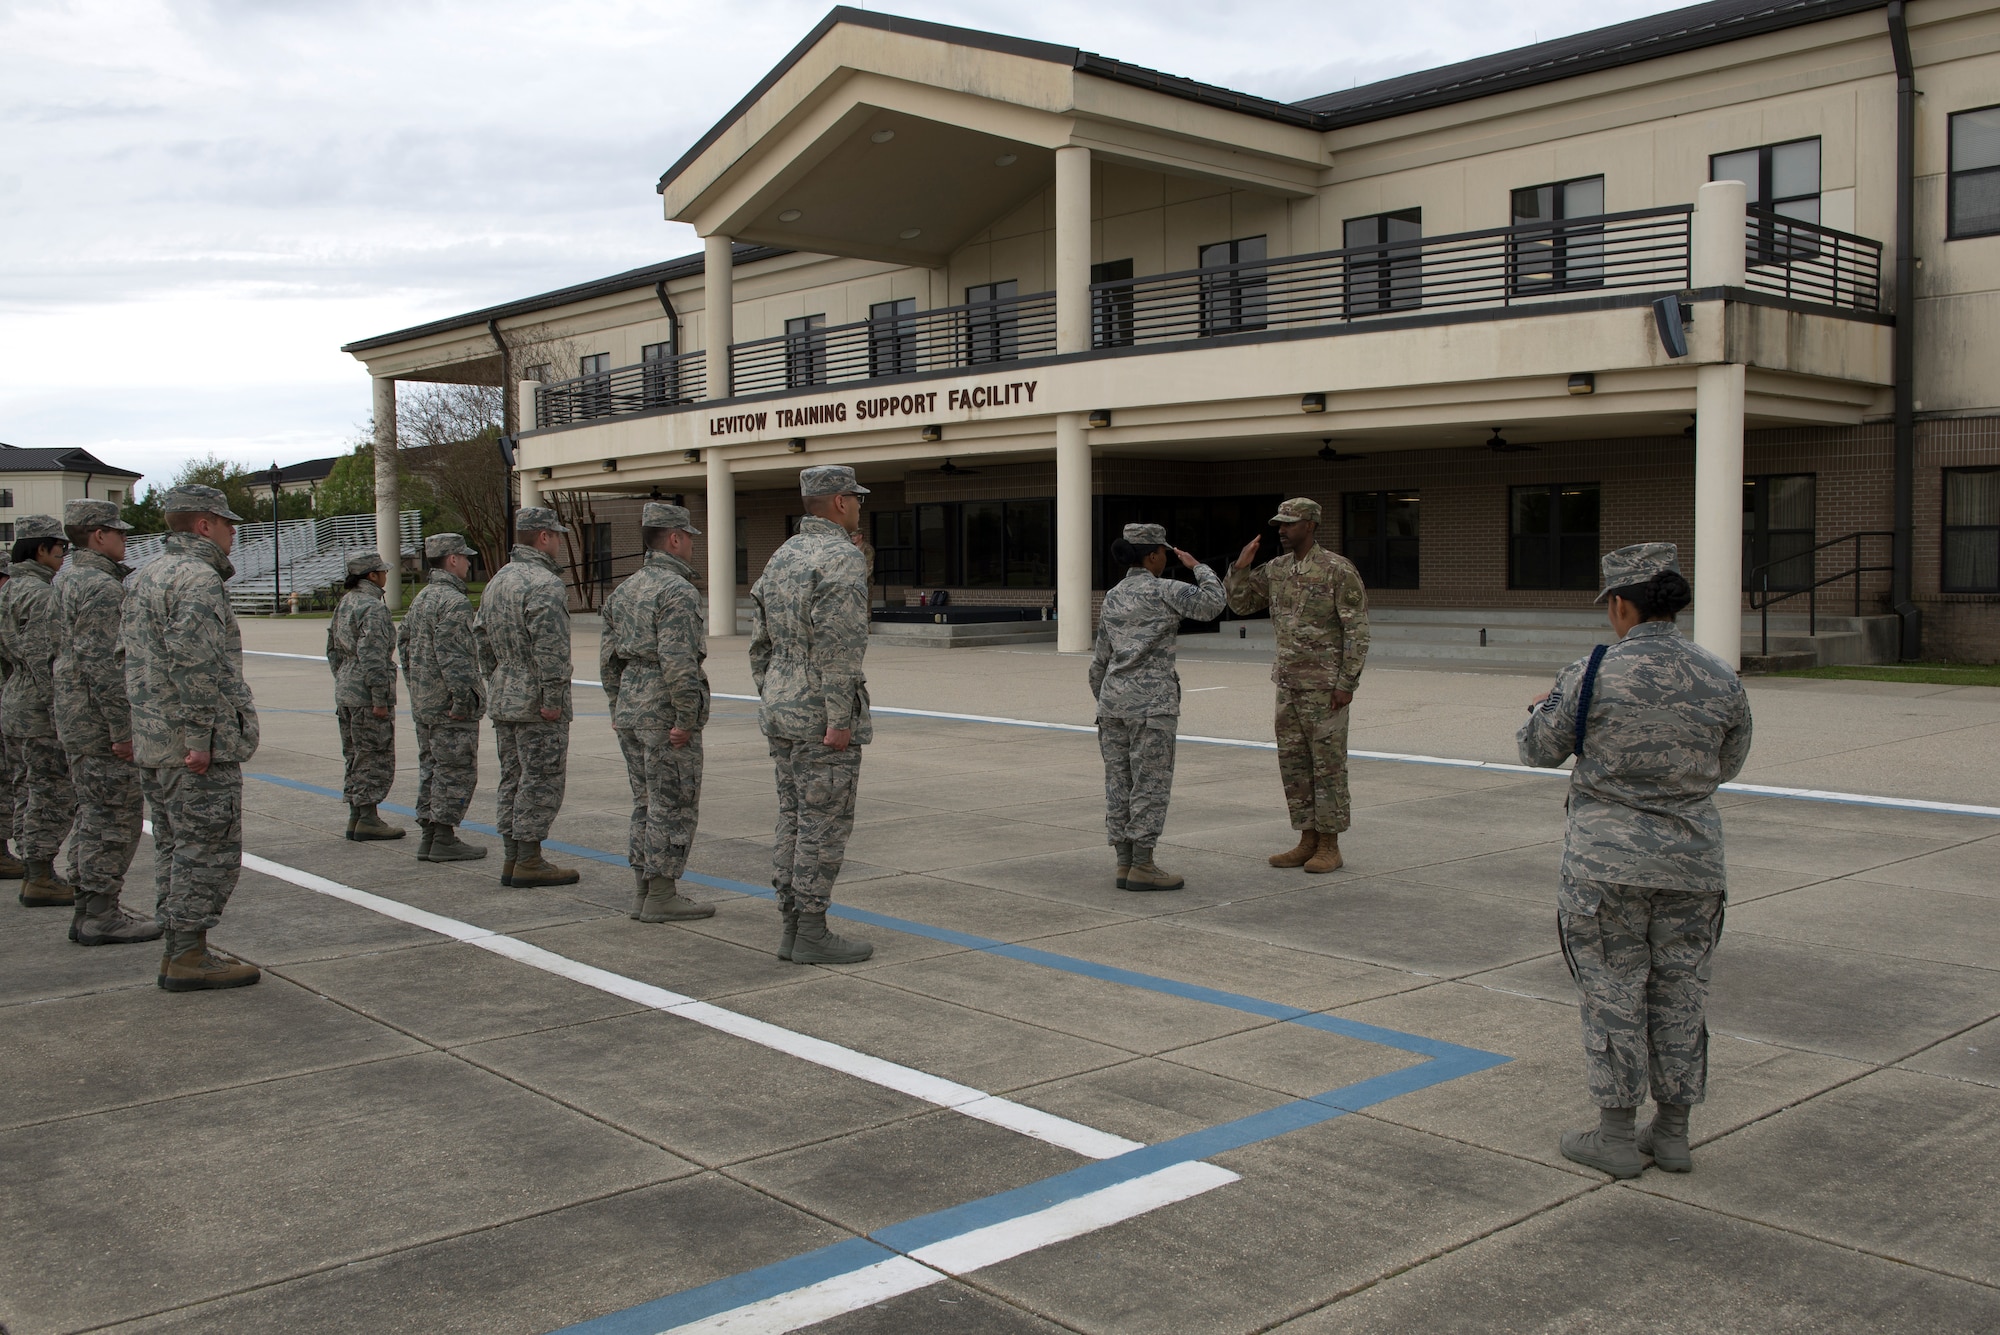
40 481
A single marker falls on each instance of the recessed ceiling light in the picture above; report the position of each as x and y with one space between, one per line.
911 233
1005 160
791 215
882 136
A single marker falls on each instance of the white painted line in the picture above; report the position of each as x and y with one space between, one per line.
818 1302
1197 690
1073 1136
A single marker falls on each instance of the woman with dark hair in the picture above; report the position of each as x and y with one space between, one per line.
1139 694
1656 724
361 649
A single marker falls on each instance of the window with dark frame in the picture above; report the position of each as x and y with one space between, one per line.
1779 531
1971 530
1552 536
986 544
660 376
1212 529
1111 307
1378 533
742 550
892 337
598 556
596 383
992 326
7 498
6 533
1781 179
894 533
1233 298
1557 254
805 351
1972 174
1384 271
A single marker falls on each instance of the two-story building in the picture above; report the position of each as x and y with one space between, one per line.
1724 276
40 481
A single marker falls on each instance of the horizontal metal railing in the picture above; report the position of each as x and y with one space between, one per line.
1499 267
1806 262
976 334
659 383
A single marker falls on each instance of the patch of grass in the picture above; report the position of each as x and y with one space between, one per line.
1926 674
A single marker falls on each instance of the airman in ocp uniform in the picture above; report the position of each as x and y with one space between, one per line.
440 658
361 650
29 618
651 666
1656 724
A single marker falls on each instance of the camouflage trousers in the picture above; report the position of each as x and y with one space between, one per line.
534 769
9 790
666 798
368 744
110 807
1312 760
447 770
44 796
815 817
1641 959
1138 776
197 841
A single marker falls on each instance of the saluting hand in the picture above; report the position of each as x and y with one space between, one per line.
1249 553
1185 558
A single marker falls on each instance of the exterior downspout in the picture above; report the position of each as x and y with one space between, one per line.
673 316
1902 559
508 426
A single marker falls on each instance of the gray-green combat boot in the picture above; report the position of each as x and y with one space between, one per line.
665 903
790 914
1666 1138
512 851
1145 875
368 825
446 846
814 944
1612 1148
424 844
1123 848
638 893
101 922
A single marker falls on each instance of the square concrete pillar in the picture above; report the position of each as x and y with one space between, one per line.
1718 511
720 527
388 503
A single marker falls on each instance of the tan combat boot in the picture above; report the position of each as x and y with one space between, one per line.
41 890
1298 857
1144 874
814 944
11 868
1124 851
638 893
532 869
1327 858
665 903
446 846
100 921
512 850
368 825
189 966
790 914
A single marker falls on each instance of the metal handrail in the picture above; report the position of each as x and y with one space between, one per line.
659 383
950 337
1804 261
1856 571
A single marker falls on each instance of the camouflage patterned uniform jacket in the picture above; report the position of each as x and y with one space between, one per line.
184 659
28 617
1319 611
523 635
439 655
653 649
1132 671
1668 722
361 649
90 708
810 617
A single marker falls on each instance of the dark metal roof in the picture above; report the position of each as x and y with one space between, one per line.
312 470
14 459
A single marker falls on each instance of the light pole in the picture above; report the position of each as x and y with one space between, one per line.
277 550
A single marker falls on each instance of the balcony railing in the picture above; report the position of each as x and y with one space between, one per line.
1806 262
941 340
655 383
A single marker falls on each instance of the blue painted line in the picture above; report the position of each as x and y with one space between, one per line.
677 1309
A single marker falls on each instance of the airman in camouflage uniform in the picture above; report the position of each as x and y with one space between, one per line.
361 650
1139 695
523 636
1662 722
94 723
29 619
651 666
10 794
193 726
810 630
447 698
1319 613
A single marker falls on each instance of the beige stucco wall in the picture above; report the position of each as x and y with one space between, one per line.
46 493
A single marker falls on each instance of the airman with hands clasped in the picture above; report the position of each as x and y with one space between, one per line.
361 650
440 659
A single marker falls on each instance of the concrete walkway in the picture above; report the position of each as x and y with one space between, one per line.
528 1111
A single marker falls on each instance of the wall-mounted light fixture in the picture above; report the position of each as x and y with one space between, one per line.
797 444
1312 403
1098 417
690 456
1583 382
545 472
791 215
609 465
933 433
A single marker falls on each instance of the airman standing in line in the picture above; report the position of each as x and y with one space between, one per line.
361 650
94 722
28 636
523 635
651 666
447 698
810 618
11 815
1319 613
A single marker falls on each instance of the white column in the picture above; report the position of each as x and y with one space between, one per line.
530 492
1073 631
720 527
388 504
718 315
1717 242
1718 510
1072 249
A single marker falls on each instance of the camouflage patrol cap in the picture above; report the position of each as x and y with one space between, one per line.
1297 510
829 480
92 514
365 563
447 544
37 526
1635 565
194 498
1146 535
659 514
533 518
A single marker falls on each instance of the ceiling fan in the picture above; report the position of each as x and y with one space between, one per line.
1501 446
1333 456
950 469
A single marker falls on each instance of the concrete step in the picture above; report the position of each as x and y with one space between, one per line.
960 635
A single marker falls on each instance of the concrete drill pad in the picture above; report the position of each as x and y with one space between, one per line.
1973 1055
1087 877
926 843
1969 868
949 1308
1292 1059
1150 1099
997 915
1937 926
38 961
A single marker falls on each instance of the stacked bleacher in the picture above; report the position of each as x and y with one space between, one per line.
309 556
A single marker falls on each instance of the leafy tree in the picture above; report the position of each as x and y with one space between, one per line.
350 488
145 514
231 479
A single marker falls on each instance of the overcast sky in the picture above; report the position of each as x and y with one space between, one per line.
200 202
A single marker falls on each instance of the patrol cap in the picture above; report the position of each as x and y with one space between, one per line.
92 514
194 498
365 563
447 544
534 518
1635 565
1146 535
1296 510
37 526
829 480
659 514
